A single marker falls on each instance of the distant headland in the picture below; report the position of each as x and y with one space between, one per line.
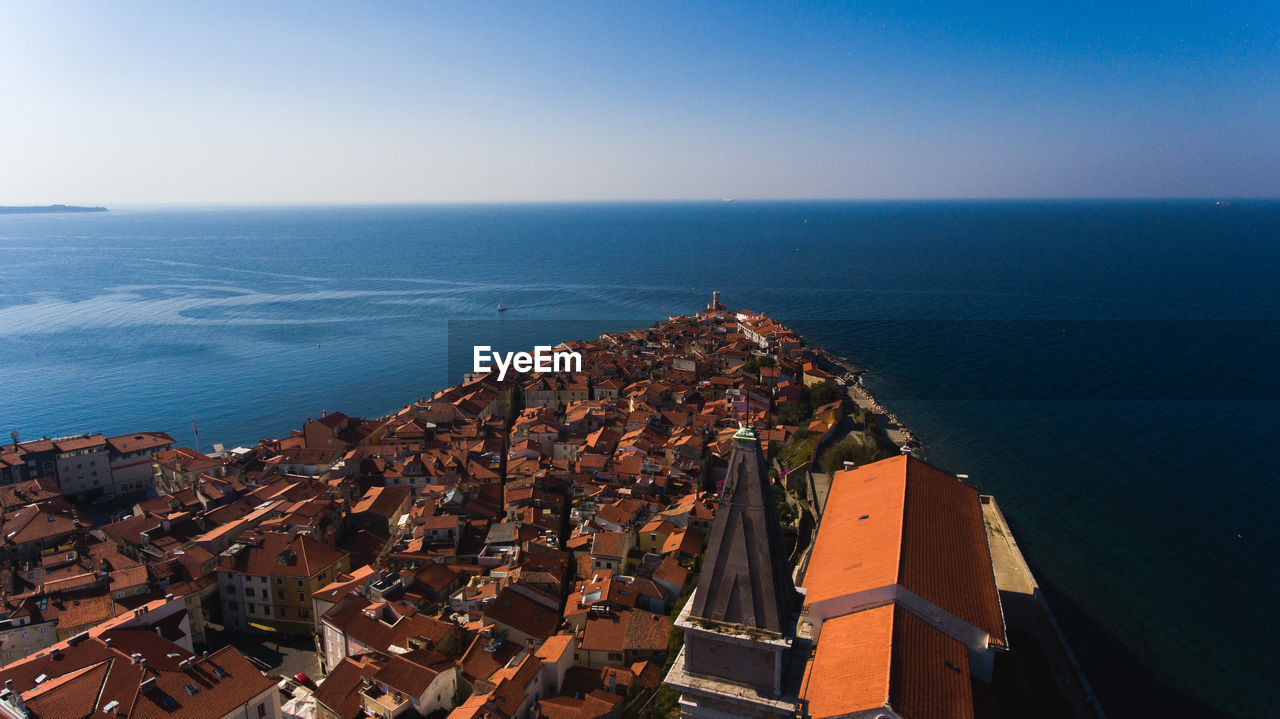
45 209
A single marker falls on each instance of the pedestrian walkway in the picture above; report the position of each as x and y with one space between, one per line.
1026 612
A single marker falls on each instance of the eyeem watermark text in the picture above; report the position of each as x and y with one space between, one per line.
543 359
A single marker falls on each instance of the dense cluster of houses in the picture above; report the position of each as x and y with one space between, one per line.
501 549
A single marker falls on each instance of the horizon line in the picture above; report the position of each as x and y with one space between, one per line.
637 201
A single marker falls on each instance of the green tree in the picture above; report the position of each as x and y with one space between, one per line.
848 450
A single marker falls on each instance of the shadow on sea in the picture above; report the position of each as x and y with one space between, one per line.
1125 688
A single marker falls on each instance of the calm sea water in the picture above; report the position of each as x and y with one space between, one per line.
1105 368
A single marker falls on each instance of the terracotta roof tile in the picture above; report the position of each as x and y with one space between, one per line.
104 674
598 703
901 521
634 630
284 554
517 611
412 673
945 556
478 663
929 675
849 670
139 441
71 695
386 625
340 690
609 544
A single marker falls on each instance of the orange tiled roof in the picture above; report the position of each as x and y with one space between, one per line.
140 441
413 672
887 656
478 663
512 609
634 629
609 544
106 674
901 521
340 690
849 669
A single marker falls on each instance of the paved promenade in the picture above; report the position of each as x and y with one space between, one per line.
1027 616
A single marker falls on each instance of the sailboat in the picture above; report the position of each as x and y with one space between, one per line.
501 308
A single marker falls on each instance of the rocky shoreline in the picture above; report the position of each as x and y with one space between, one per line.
850 377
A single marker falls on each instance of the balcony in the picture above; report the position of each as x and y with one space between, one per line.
378 700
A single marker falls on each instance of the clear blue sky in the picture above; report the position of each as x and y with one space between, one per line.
138 102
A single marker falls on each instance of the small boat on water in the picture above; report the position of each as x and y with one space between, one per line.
501 308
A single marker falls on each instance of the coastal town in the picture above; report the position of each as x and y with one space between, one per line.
708 518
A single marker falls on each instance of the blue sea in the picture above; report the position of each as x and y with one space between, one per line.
1106 368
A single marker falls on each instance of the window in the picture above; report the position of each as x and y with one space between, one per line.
615 655
279 581
250 606
262 710
303 614
301 597
299 582
248 591
280 594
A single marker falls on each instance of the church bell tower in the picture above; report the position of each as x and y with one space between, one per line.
740 623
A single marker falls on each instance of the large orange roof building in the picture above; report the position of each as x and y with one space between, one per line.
900 595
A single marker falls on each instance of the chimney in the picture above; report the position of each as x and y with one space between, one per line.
107 641
850 465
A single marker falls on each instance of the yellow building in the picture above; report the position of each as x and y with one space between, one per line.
265 581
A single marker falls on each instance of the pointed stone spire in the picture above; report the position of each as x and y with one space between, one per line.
745 576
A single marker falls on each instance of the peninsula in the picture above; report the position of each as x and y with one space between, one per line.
45 209
705 518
